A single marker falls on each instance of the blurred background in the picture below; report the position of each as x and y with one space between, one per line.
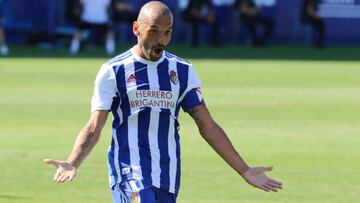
280 76
74 24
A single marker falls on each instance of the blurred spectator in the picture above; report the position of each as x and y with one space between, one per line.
225 20
74 10
123 14
309 15
200 12
252 16
4 50
94 17
122 11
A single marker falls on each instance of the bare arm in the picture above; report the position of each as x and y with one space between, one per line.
218 140
85 142
87 138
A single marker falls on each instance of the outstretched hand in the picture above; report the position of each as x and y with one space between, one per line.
256 177
65 171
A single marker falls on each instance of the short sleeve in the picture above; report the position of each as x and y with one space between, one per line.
192 95
104 89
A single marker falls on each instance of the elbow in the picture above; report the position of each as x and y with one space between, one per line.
207 131
96 131
93 133
205 135
208 135
202 132
210 130
95 136
202 128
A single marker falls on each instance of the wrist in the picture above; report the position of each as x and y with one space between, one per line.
243 170
72 163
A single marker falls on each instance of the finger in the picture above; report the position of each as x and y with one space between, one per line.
269 168
275 181
51 161
63 178
57 180
273 186
263 188
56 176
268 187
60 178
70 178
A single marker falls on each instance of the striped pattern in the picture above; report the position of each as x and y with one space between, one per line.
145 105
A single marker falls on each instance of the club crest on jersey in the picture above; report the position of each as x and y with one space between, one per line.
173 77
131 78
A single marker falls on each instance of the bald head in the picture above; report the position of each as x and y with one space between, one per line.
153 10
153 30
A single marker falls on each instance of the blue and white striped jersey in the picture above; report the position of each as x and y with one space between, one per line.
145 98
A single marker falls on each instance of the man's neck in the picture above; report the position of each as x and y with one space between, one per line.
138 51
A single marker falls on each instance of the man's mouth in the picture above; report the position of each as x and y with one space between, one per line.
158 50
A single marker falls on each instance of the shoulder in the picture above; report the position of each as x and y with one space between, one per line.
178 59
114 65
119 59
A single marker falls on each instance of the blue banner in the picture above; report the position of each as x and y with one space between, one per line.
340 8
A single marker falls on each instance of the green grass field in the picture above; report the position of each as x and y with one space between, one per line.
303 117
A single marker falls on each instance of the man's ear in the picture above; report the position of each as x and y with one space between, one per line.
136 28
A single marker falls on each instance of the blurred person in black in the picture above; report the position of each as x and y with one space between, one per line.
200 12
251 17
73 11
309 15
4 50
95 18
122 11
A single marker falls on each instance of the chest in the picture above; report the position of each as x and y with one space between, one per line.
152 86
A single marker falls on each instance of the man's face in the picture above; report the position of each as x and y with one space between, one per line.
153 35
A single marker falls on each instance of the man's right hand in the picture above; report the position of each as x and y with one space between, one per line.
65 171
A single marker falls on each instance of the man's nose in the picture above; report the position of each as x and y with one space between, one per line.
162 39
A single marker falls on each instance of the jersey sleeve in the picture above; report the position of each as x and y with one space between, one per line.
192 95
104 89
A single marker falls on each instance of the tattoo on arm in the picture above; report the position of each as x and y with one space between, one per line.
83 149
193 113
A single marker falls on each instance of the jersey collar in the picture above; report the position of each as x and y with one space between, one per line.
137 57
